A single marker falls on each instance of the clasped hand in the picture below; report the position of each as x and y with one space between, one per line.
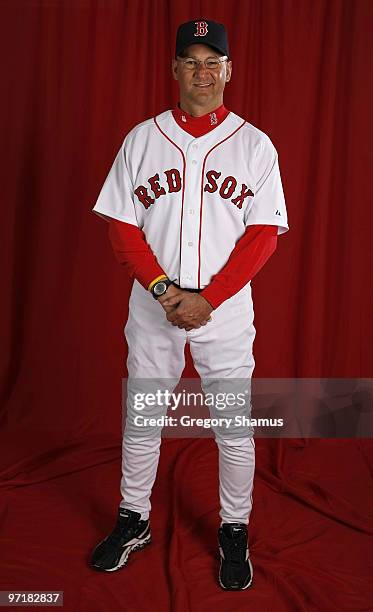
184 309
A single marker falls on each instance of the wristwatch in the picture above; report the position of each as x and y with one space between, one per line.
160 288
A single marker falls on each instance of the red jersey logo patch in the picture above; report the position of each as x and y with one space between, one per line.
213 119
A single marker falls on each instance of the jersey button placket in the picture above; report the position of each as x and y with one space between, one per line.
190 233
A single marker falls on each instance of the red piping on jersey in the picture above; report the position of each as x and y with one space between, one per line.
182 193
200 213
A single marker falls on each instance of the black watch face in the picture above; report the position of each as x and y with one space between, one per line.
160 288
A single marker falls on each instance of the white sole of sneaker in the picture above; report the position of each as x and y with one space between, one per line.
132 546
245 587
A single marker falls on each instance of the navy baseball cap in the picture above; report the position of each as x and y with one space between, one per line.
202 31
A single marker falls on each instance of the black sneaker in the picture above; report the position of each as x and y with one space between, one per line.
129 534
236 571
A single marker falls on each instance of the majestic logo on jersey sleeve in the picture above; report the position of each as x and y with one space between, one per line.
228 187
202 28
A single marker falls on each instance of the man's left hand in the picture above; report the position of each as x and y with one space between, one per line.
191 312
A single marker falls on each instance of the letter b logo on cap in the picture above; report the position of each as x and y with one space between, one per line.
201 28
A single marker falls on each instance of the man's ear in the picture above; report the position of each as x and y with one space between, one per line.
229 72
174 69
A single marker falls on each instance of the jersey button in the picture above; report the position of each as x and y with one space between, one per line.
190 243
191 211
194 161
195 146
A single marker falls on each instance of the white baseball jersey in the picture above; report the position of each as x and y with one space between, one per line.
194 197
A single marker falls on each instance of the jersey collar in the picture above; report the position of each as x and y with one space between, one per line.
199 126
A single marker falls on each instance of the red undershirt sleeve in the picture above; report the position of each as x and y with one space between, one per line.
133 252
251 252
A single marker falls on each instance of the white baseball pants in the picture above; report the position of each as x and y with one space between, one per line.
222 349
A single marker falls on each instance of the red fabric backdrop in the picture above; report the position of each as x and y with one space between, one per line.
76 76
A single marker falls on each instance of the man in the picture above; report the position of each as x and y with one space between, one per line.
195 204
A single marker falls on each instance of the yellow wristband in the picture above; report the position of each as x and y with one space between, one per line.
156 280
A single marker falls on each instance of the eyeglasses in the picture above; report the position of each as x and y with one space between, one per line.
211 63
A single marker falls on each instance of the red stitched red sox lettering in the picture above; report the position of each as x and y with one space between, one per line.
227 187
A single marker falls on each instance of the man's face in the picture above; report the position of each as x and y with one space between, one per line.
201 86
